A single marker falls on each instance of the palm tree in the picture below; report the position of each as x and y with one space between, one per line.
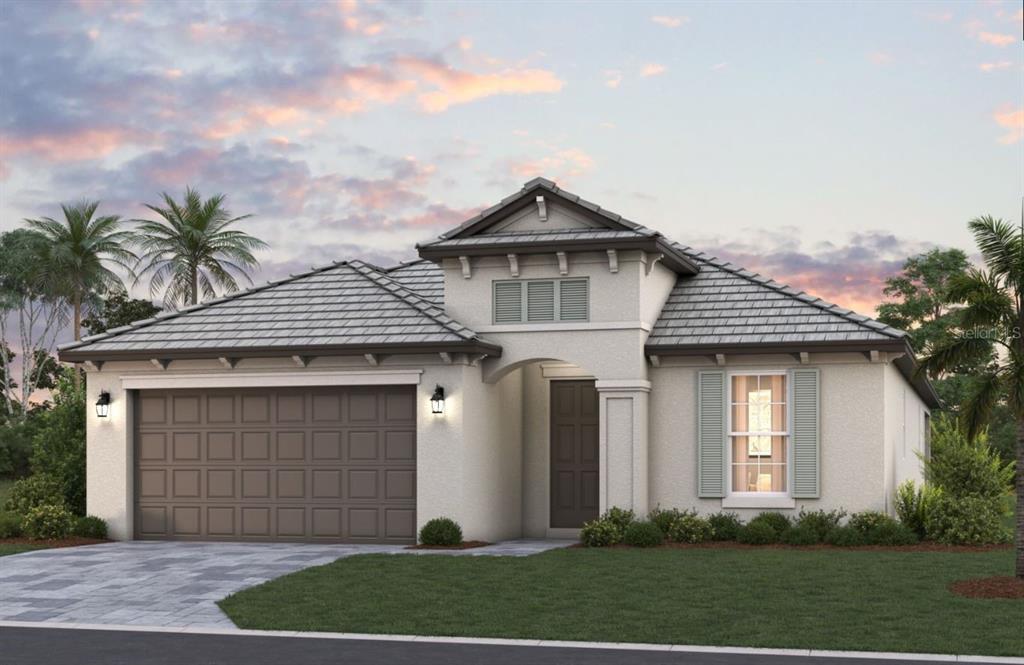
191 248
993 314
78 250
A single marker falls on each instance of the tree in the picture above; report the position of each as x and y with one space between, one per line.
192 250
116 310
58 444
77 252
993 313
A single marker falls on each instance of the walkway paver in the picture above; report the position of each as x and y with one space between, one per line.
172 583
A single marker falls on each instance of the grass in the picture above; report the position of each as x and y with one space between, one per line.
18 548
835 599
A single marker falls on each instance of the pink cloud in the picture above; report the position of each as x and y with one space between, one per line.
880 58
459 87
5 171
561 165
69 146
993 66
996 39
612 78
1012 120
670 21
652 69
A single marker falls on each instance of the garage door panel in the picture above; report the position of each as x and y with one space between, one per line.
185 446
291 446
220 446
185 410
255 446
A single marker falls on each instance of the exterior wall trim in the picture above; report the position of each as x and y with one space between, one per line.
270 379
626 385
564 327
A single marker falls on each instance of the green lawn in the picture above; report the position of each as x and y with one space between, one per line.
17 548
861 600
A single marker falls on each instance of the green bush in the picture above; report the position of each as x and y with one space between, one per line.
802 534
890 533
664 517
758 533
90 526
690 528
16 445
965 520
601 532
58 447
643 534
962 467
869 520
441 531
845 536
725 526
38 490
820 521
913 504
619 517
10 525
48 522
778 522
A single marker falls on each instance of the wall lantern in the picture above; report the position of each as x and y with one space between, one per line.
437 400
103 405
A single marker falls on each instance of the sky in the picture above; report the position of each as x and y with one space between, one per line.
817 143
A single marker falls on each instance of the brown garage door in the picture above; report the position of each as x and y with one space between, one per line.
310 464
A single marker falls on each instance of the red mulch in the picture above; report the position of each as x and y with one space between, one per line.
465 545
73 541
731 545
990 587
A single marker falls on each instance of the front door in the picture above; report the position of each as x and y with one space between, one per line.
574 453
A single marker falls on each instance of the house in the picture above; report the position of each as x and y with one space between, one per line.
540 363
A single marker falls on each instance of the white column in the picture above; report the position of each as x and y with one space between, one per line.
623 444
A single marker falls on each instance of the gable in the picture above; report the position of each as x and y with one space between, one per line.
557 217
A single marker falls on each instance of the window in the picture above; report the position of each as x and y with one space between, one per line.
541 300
758 433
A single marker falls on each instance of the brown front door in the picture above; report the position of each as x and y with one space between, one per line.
292 464
574 454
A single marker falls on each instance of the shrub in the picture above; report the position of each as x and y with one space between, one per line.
46 522
58 447
664 518
643 534
725 526
690 528
758 533
619 517
778 522
820 521
16 445
869 520
10 525
845 536
802 534
90 527
965 520
890 533
913 504
962 467
601 532
28 493
441 531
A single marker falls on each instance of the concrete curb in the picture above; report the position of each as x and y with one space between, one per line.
496 641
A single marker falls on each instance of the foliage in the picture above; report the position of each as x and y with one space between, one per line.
664 517
118 309
601 532
58 448
90 526
758 533
28 493
845 536
868 520
192 250
965 520
16 445
10 525
802 534
913 503
777 522
725 526
48 521
690 528
962 466
890 533
620 517
441 531
643 534
820 521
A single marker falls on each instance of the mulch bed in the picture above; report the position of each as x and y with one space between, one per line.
73 541
990 587
465 545
731 545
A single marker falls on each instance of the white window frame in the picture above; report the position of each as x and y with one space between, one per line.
525 301
729 434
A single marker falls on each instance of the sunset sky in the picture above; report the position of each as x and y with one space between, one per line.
819 143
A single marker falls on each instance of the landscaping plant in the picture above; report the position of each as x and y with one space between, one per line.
913 504
28 493
643 534
690 528
90 526
601 533
725 526
802 534
664 517
965 520
777 522
441 532
10 525
819 522
758 533
845 536
58 447
48 522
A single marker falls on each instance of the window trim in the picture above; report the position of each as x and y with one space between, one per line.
525 305
749 497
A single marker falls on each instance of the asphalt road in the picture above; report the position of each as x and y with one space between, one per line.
36 646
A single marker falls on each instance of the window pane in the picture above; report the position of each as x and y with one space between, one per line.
778 418
776 383
739 418
740 385
759 478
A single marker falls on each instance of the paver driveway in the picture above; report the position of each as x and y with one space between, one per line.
169 583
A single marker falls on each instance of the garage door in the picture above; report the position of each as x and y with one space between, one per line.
290 464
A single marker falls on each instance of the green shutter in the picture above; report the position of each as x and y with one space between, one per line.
508 302
806 433
540 301
711 435
573 300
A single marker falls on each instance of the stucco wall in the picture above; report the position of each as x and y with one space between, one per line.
536 452
904 433
852 426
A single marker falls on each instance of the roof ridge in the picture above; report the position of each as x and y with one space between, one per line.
785 289
163 316
426 307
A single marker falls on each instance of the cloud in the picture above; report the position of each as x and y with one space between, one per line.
995 38
993 66
612 78
652 69
560 165
1011 119
670 21
939 17
880 57
719 66
453 86
68 146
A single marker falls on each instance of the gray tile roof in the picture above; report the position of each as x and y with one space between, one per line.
420 276
726 305
540 237
350 304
